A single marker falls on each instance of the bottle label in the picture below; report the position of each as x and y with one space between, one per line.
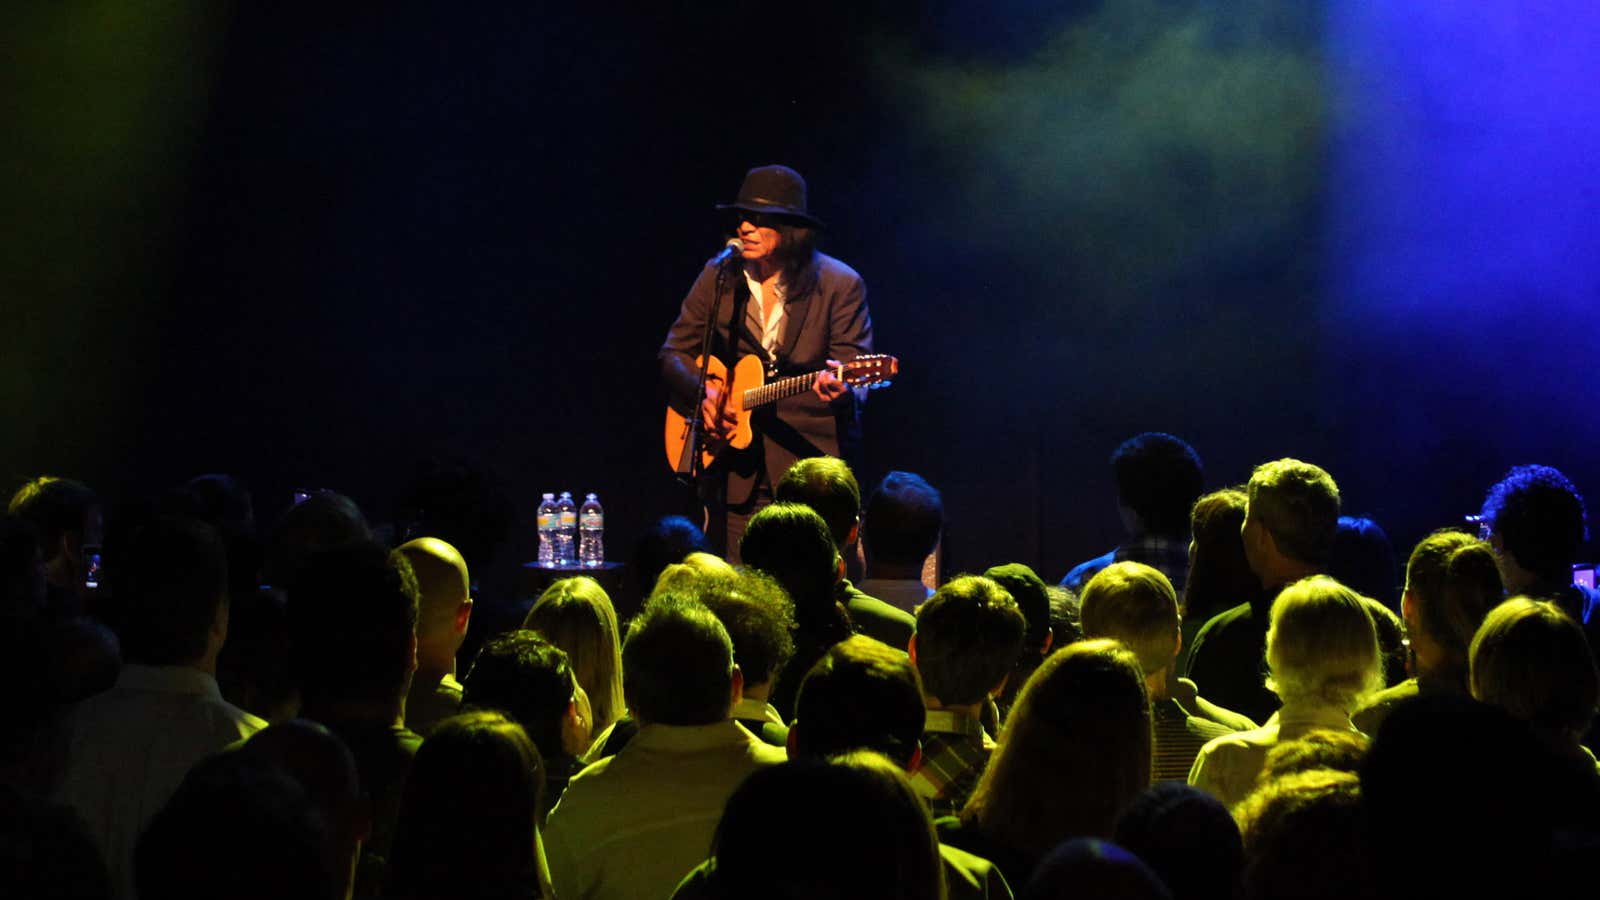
594 521
546 520
568 519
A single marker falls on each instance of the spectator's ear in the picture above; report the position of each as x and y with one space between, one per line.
855 533
463 615
1050 641
911 649
916 758
736 689
790 743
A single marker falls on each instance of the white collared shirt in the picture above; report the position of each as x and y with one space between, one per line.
768 327
1228 766
131 746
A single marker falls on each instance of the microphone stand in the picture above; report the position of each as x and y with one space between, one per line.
689 469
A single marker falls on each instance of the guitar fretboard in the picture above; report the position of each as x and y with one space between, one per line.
777 390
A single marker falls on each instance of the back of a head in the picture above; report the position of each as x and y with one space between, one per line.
55 507
687 575
1158 477
1322 646
759 619
170 583
442 583
1453 582
860 695
46 851
467 818
22 581
1033 599
1219 573
1187 837
1539 517
224 500
1319 748
902 520
827 485
677 664
882 848
321 763
254 669
352 623
1075 751
460 501
1305 836
576 615
235 828
1461 799
791 543
323 521
1532 660
668 540
1298 504
1135 604
969 635
528 678
1363 558
1087 867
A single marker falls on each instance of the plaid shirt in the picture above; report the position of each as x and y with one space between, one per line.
955 748
1170 555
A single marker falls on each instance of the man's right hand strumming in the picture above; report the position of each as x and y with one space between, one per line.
719 421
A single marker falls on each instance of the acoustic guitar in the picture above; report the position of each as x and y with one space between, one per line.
750 390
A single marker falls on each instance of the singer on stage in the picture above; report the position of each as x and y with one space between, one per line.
794 308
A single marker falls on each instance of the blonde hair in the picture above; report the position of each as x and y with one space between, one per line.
1134 604
694 567
1322 645
576 615
1532 660
1074 752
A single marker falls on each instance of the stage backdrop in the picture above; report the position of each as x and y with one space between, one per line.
317 246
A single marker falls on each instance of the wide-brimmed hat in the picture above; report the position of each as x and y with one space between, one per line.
774 190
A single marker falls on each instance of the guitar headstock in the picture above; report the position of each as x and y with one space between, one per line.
874 370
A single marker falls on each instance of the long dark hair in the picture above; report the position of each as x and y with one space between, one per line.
797 251
797 248
467 819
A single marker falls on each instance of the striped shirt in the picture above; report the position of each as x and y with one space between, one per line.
1178 738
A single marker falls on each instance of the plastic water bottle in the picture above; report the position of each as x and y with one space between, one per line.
566 530
547 531
591 533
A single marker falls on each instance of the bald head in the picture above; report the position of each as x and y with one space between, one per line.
446 591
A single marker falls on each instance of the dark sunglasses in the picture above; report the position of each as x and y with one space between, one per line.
760 220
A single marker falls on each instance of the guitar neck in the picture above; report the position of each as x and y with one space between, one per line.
774 391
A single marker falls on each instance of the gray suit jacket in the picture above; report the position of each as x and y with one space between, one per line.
827 319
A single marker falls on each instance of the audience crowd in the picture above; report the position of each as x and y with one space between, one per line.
1245 699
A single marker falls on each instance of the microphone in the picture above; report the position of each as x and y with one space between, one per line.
729 250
